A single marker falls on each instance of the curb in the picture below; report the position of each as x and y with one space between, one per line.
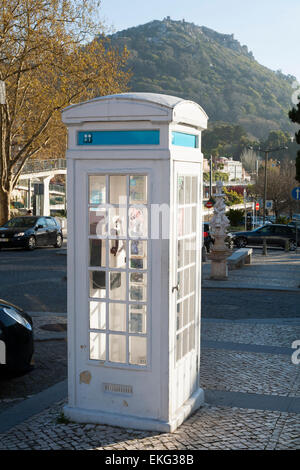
31 406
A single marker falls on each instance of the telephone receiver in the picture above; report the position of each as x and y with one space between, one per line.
115 247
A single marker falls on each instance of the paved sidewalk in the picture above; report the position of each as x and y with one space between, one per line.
279 270
251 384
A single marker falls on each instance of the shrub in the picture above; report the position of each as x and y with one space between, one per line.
235 217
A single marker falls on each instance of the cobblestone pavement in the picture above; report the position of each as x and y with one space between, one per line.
277 270
210 427
50 367
276 334
246 366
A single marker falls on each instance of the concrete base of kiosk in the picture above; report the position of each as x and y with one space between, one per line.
81 415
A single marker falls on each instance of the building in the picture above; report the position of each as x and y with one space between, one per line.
233 168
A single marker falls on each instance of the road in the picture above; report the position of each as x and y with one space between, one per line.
233 304
34 280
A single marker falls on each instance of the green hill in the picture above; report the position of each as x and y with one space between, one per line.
215 70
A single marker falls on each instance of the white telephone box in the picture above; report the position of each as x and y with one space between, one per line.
134 166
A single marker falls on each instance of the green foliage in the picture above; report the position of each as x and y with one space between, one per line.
282 220
235 216
220 176
232 197
62 419
197 63
224 139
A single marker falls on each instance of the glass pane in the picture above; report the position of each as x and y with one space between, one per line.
185 342
178 346
138 254
98 346
179 316
137 318
97 315
180 284
180 222
138 350
180 190
117 189
98 253
185 317
117 317
97 284
180 254
117 254
97 189
194 219
187 252
117 285
191 337
137 292
192 308
138 222
192 279
187 190
117 222
97 221
187 220
138 278
138 189
117 348
194 198
186 276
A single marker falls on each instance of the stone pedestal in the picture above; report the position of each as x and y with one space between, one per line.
219 222
218 257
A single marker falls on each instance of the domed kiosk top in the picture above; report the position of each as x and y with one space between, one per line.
137 107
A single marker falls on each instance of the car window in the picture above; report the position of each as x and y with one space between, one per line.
21 222
42 221
265 230
50 222
282 230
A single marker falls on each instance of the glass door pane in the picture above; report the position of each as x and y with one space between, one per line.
187 255
118 268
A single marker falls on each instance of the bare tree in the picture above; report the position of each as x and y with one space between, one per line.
280 182
48 60
249 159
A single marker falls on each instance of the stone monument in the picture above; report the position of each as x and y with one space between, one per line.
218 225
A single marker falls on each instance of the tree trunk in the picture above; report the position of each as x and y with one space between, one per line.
4 206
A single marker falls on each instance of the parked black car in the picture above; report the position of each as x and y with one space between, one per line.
16 338
275 235
30 232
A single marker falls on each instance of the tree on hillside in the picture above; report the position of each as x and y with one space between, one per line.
224 139
249 159
281 180
294 116
48 60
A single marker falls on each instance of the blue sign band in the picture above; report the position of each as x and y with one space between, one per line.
135 137
184 140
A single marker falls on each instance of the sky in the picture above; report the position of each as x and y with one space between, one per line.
268 27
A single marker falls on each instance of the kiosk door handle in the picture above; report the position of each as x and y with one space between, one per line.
175 288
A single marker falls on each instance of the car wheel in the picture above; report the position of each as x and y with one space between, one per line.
59 241
31 243
241 242
292 245
229 244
